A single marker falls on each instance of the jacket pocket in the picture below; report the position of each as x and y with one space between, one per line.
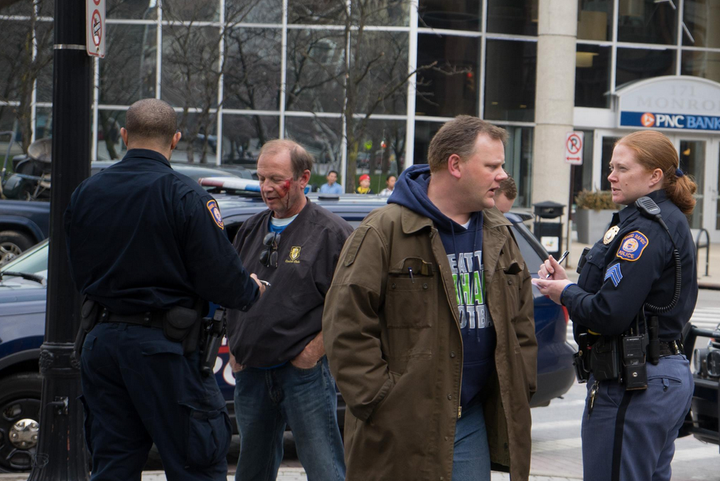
411 294
208 436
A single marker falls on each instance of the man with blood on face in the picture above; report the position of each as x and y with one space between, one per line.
282 375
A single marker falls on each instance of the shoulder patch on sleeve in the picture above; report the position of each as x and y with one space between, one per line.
614 273
355 241
215 213
632 246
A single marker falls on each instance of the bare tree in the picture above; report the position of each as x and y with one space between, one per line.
19 65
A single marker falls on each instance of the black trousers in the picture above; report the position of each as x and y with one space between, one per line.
138 388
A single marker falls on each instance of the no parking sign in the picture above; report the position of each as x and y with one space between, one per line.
95 27
573 148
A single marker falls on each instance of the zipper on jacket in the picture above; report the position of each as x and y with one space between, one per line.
459 412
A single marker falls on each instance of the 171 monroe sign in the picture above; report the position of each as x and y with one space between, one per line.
673 102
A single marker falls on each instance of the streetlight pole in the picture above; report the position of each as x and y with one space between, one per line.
60 452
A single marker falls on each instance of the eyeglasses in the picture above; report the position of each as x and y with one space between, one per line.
269 256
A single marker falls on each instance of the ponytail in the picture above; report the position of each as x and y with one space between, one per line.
680 191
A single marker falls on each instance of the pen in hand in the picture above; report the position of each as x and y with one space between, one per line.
264 282
562 258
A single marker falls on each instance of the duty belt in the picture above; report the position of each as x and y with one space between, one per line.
148 319
670 348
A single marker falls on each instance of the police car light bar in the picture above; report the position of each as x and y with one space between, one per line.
235 183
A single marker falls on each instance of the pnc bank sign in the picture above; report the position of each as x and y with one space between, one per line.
675 102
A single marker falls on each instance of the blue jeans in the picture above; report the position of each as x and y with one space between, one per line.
266 400
471 456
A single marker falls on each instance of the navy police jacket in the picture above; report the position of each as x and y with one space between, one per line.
634 267
142 237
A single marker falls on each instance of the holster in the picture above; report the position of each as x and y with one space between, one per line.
183 325
89 315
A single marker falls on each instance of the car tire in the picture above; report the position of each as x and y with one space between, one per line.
19 405
12 244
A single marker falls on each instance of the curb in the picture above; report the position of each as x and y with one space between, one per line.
715 286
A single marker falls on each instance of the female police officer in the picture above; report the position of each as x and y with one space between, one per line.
637 289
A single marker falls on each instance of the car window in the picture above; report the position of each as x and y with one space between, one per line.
531 250
33 261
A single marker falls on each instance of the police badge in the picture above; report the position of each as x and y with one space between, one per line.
610 234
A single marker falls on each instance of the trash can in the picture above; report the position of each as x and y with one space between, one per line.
549 233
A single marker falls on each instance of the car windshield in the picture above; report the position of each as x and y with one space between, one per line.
32 262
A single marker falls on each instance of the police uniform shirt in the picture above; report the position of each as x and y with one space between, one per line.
634 267
142 237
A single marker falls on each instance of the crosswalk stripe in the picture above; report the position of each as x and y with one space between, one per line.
574 423
695 453
556 445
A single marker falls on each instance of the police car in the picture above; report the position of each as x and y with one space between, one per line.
22 320
702 420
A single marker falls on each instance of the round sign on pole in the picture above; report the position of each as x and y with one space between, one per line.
96 28
573 148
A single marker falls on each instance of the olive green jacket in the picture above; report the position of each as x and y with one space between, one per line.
395 348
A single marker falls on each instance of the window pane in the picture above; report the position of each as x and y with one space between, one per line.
424 132
451 86
378 73
595 20
608 144
387 12
190 66
252 69
127 73
450 14
592 76
518 17
205 10
46 7
510 86
313 12
645 21
17 8
373 158
518 162
315 66
637 64
701 18
43 123
199 139
244 135
253 11
135 9
701 64
110 145
45 76
322 137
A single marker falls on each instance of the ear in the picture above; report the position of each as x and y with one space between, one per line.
176 138
454 166
304 179
656 177
124 135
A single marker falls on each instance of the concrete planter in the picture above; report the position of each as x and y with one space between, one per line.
591 224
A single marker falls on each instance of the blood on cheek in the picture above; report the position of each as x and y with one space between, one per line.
283 188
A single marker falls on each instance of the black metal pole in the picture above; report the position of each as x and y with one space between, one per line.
61 454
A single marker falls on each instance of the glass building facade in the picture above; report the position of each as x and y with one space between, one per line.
368 80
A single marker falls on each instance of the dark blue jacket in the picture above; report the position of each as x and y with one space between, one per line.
636 267
142 237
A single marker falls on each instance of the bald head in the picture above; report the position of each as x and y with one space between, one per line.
151 120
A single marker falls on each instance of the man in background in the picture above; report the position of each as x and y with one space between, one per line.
331 187
506 195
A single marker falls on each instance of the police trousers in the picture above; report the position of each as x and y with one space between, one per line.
139 388
630 435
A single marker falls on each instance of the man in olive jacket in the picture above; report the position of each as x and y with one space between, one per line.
428 324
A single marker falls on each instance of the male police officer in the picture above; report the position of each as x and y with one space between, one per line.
147 248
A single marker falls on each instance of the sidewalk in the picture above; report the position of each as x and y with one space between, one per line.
711 281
